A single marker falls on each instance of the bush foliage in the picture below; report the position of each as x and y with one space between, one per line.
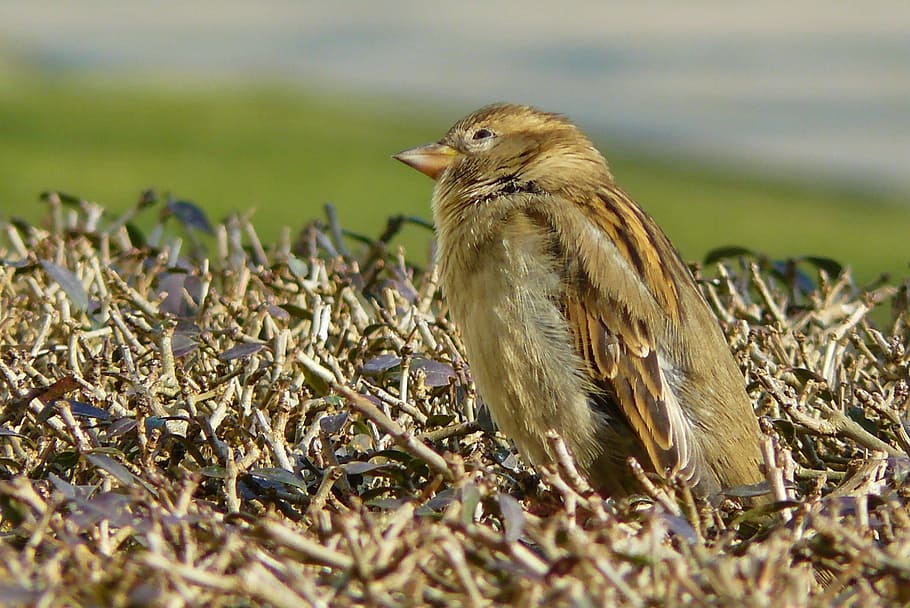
295 424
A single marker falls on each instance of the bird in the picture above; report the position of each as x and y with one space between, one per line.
576 312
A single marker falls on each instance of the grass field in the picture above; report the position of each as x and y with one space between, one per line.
286 152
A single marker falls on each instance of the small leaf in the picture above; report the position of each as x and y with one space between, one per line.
120 426
64 487
748 491
69 282
187 328
680 526
315 382
792 275
87 411
64 460
761 512
58 389
136 235
147 198
722 253
117 470
277 312
804 375
785 427
333 424
437 420
485 419
112 507
15 263
214 471
182 345
280 476
360 238
297 311
437 503
380 364
512 515
244 349
418 469
384 504
359 468
65 198
396 455
510 462
437 374
362 441
372 328
21 225
298 267
155 423
858 415
832 267
109 451
173 283
190 215
336 401
470 498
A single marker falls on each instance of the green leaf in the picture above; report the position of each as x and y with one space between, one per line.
722 253
833 268
759 514
298 267
65 198
215 471
439 420
804 375
297 311
396 455
136 235
335 401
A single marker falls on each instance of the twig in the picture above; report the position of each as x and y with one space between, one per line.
398 434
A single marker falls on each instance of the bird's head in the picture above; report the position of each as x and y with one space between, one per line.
508 148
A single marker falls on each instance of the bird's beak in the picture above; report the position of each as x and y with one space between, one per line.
429 159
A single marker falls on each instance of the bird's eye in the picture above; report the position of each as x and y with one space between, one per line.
482 134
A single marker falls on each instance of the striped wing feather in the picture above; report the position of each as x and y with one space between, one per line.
618 346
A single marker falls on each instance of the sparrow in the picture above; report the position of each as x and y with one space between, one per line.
577 313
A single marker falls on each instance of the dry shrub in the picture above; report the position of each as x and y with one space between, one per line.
295 425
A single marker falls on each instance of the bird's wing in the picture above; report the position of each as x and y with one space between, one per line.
625 367
623 293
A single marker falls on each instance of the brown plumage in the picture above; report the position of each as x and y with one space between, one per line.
577 313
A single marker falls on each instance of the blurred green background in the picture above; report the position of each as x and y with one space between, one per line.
286 153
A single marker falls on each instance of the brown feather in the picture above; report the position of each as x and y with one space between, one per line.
634 379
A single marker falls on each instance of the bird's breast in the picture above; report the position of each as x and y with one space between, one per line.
504 294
